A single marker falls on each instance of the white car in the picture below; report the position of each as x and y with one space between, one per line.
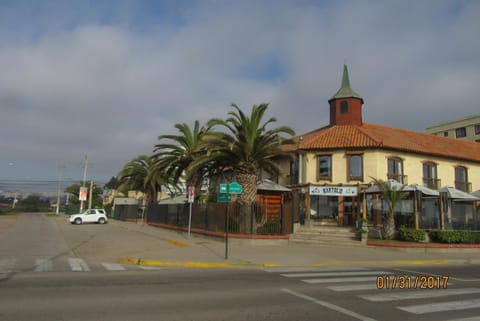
89 216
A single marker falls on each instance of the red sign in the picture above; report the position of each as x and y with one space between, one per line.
191 194
82 196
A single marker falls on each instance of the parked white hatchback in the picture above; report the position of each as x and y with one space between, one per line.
89 216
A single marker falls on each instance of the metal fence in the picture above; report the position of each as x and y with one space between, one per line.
212 216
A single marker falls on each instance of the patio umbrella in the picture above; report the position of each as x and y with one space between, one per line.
458 195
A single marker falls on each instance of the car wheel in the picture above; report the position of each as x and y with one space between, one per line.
78 221
101 220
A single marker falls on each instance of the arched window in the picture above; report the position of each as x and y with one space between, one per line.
461 179
430 178
395 170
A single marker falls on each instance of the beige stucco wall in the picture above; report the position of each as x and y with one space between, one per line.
375 165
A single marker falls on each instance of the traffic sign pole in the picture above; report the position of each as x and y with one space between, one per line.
191 196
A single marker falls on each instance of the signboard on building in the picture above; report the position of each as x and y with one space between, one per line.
333 190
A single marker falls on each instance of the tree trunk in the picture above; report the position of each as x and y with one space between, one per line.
389 227
249 187
246 199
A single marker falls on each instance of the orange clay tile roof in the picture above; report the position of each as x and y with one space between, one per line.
378 136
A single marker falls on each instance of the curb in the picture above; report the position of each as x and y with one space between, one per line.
223 265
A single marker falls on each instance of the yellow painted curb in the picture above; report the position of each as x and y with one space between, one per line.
216 265
177 243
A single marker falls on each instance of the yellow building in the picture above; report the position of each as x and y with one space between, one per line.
336 163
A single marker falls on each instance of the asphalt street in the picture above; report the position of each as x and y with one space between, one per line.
51 270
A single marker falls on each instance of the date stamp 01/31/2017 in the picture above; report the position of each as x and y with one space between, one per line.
412 282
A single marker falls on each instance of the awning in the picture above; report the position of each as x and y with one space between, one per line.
268 185
392 184
425 190
458 195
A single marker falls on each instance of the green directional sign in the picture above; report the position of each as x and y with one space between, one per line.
235 188
223 188
223 198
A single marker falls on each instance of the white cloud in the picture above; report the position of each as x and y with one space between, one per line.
109 89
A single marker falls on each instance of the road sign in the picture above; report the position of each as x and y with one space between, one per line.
83 194
191 194
223 198
235 188
223 188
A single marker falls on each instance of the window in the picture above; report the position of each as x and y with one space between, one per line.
355 167
460 132
344 107
477 129
445 134
294 172
461 179
430 179
325 167
395 170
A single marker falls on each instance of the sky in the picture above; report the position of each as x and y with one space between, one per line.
104 79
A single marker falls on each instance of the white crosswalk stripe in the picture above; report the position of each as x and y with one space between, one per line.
113 267
442 306
78 265
63 264
413 294
7 265
357 280
43 265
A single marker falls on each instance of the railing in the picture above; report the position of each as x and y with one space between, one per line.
433 183
398 177
211 216
463 186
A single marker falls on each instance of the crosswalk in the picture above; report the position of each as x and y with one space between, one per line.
39 265
362 283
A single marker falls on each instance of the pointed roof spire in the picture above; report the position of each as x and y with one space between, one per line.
345 90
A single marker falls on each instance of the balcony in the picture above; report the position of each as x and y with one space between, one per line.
399 178
463 186
432 183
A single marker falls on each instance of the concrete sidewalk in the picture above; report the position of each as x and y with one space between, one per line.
209 252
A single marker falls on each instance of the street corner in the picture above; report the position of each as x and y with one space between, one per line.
195 264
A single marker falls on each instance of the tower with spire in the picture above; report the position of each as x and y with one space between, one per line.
346 104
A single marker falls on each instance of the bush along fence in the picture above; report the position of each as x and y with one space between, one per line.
438 236
211 216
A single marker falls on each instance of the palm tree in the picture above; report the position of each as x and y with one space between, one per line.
175 156
247 148
137 175
393 195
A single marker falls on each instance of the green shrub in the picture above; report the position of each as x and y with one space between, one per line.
455 237
411 235
271 228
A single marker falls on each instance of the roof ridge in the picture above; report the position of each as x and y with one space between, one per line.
377 142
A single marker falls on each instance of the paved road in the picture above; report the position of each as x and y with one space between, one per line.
51 270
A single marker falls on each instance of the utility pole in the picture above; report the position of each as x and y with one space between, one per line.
90 194
85 166
60 176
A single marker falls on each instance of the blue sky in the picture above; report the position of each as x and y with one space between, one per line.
105 78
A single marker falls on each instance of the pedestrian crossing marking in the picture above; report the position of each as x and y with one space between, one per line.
341 280
407 295
6 265
113 267
353 287
442 306
78 265
325 274
43 265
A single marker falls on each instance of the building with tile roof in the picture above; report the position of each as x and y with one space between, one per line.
336 163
